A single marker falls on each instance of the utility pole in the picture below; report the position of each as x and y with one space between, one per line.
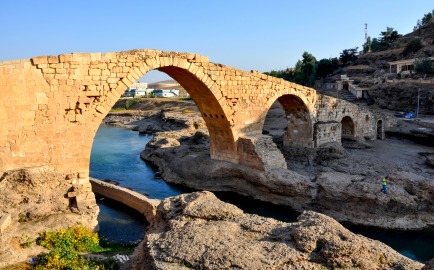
366 37
366 32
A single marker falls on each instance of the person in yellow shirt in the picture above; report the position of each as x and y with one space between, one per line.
384 182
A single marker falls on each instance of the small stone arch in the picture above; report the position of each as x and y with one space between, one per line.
347 127
298 131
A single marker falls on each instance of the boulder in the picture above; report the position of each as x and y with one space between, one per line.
199 231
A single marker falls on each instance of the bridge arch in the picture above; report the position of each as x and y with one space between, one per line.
298 114
203 93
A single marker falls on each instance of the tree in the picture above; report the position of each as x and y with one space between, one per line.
387 37
375 45
286 74
326 67
367 45
413 46
349 55
423 65
305 70
427 18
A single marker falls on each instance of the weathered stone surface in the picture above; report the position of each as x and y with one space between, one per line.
199 231
35 199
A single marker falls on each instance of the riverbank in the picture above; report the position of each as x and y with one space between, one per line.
189 211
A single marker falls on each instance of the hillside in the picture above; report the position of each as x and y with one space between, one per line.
392 91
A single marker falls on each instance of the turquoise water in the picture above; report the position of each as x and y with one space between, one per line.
116 156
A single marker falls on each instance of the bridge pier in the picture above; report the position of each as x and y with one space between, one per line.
260 152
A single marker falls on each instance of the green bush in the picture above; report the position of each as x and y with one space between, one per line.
66 245
78 238
131 102
423 65
413 46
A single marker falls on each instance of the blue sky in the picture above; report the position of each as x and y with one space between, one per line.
259 35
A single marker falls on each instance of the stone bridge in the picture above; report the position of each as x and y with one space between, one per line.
52 106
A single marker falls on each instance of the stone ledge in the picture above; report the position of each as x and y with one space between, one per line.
132 199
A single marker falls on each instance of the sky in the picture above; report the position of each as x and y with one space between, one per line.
248 35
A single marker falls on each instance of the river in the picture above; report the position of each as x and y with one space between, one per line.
116 156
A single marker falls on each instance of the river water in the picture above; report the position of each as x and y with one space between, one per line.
116 156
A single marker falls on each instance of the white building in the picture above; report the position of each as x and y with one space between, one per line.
166 93
138 89
403 66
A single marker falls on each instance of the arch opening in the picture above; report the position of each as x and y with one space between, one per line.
221 140
299 129
288 121
380 130
347 130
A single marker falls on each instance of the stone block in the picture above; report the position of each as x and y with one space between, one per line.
41 98
53 59
5 221
83 175
40 60
65 57
86 204
72 194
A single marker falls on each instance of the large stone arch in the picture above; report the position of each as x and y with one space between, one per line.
197 83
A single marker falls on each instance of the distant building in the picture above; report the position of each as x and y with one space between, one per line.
343 83
403 66
170 85
166 93
138 89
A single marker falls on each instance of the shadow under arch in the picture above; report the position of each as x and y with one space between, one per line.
299 128
380 130
220 132
348 127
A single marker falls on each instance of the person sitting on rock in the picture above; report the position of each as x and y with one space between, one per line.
385 184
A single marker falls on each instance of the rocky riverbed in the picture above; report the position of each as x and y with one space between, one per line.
340 181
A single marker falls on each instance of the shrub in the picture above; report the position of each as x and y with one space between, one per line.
131 102
78 238
413 46
65 246
423 65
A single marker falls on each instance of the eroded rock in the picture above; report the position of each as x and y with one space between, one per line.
30 197
199 231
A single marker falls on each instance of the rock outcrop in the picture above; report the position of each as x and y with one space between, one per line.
30 204
199 231
347 189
